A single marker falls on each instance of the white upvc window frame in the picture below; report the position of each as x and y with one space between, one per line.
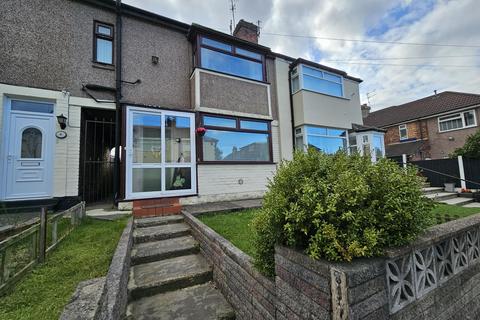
400 128
456 116
303 133
163 164
298 73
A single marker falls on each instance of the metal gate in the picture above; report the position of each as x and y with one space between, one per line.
97 155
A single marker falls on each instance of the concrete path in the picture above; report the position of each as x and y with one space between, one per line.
169 278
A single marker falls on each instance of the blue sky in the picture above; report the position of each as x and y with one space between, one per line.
390 81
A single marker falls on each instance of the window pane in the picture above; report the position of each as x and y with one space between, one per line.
235 146
104 51
378 145
469 118
147 143
451 124
250 54
216 44
322 86
178 178
336 132
312 72
177 139
104 30
146 180
31 143
299 142
232 65
219 122
317 130
32 106
332 77
327 144
403 133
253 125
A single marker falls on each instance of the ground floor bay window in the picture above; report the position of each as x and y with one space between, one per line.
328 140
160 157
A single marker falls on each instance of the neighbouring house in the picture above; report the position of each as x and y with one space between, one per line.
428 128
104 101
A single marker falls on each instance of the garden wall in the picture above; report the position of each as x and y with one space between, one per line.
437 277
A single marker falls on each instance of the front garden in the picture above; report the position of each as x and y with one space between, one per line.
85 254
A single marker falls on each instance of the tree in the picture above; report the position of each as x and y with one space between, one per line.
471 148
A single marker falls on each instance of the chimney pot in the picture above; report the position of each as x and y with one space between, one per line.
246 31
365 110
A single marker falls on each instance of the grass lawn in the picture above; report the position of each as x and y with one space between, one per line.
235 226
86 253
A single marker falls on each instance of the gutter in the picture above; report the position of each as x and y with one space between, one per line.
118 98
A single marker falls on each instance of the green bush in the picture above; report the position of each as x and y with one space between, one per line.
339 207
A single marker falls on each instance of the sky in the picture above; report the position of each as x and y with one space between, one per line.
388 80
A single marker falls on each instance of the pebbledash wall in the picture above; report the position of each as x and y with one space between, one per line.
436 277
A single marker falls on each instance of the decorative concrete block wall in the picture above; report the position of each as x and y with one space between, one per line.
436 277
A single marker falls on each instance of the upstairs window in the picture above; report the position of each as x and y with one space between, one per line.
103 43
403 132
457 121
226 58
313 79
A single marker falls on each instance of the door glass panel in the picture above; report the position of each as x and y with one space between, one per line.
147 140
177 139
178 178
31 144
31 106
146 179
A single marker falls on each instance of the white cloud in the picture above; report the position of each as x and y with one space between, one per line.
435 21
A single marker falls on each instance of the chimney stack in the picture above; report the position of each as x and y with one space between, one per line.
246 31
365 110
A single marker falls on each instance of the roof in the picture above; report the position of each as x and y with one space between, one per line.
363 128
432 105
409 148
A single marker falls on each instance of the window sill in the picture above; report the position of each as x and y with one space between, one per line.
103 66
446 131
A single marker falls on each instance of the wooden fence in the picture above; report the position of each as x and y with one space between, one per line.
21 252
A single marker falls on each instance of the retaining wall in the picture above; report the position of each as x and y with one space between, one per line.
436 277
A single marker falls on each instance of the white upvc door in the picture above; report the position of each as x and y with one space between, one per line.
28 162
160 153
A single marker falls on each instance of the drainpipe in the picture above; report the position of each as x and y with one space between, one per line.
291 105
118 97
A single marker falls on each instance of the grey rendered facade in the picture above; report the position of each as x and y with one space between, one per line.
49 58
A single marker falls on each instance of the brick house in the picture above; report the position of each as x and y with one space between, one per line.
101 100
428 128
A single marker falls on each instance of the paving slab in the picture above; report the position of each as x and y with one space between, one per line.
158 250
441 195
166 275
85 301
473 205
201 208
457 201
162 232
202 302
157 221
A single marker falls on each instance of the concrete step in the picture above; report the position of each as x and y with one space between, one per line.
167 275
459 201
155 233
157 221
164 249
429 190
441 196
473 205
201 302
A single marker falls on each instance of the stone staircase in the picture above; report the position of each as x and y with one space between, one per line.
169 278
439 195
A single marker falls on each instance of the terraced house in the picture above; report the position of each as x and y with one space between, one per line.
107 102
